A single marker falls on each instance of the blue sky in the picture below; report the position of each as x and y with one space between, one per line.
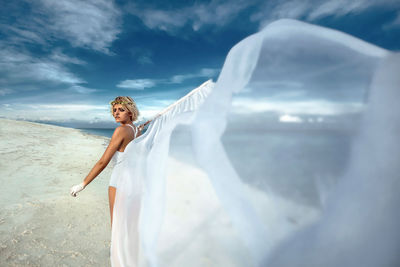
64 60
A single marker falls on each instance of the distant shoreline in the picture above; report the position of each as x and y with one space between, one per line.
98 132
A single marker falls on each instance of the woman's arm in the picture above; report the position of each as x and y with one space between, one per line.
115 143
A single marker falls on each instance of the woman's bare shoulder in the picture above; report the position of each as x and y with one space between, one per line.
120 130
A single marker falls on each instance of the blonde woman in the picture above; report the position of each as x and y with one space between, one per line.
125 112
137 186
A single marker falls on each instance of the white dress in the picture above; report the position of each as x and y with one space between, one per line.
130 246
140 174
117 158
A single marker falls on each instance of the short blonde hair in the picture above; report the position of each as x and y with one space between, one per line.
128 103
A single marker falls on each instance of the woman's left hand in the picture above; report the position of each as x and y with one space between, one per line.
77 188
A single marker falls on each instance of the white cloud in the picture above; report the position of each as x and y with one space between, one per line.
290 118
208 72
220 13
6 91
51 71
17 35
395 23
180 78
60 57
145 60
314 9
244 105
205 72
24 71
339 8
281 9
89 24
161 20
82 89
92 24
138 84
21 67
344 7
142 55
216 13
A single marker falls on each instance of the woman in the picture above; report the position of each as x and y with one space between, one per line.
124 110
137 208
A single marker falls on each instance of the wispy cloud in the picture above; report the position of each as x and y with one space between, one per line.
217 13
141 84
19 34
244 105
21 67
6 91
314 9
205 72
394 24
29 57
142 56
60 57
145 60
290 118
138 84
220 13
343 7
82 89
92 24
25 72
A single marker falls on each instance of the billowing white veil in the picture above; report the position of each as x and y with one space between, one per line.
299 78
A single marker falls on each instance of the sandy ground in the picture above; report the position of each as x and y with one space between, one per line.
42 225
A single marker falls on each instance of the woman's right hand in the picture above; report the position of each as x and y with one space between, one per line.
77 188
144 124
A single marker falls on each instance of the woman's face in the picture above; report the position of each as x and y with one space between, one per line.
121 114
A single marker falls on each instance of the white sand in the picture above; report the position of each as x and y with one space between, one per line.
42 225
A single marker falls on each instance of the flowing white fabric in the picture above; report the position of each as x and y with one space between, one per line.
140 196
313 71
329 73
